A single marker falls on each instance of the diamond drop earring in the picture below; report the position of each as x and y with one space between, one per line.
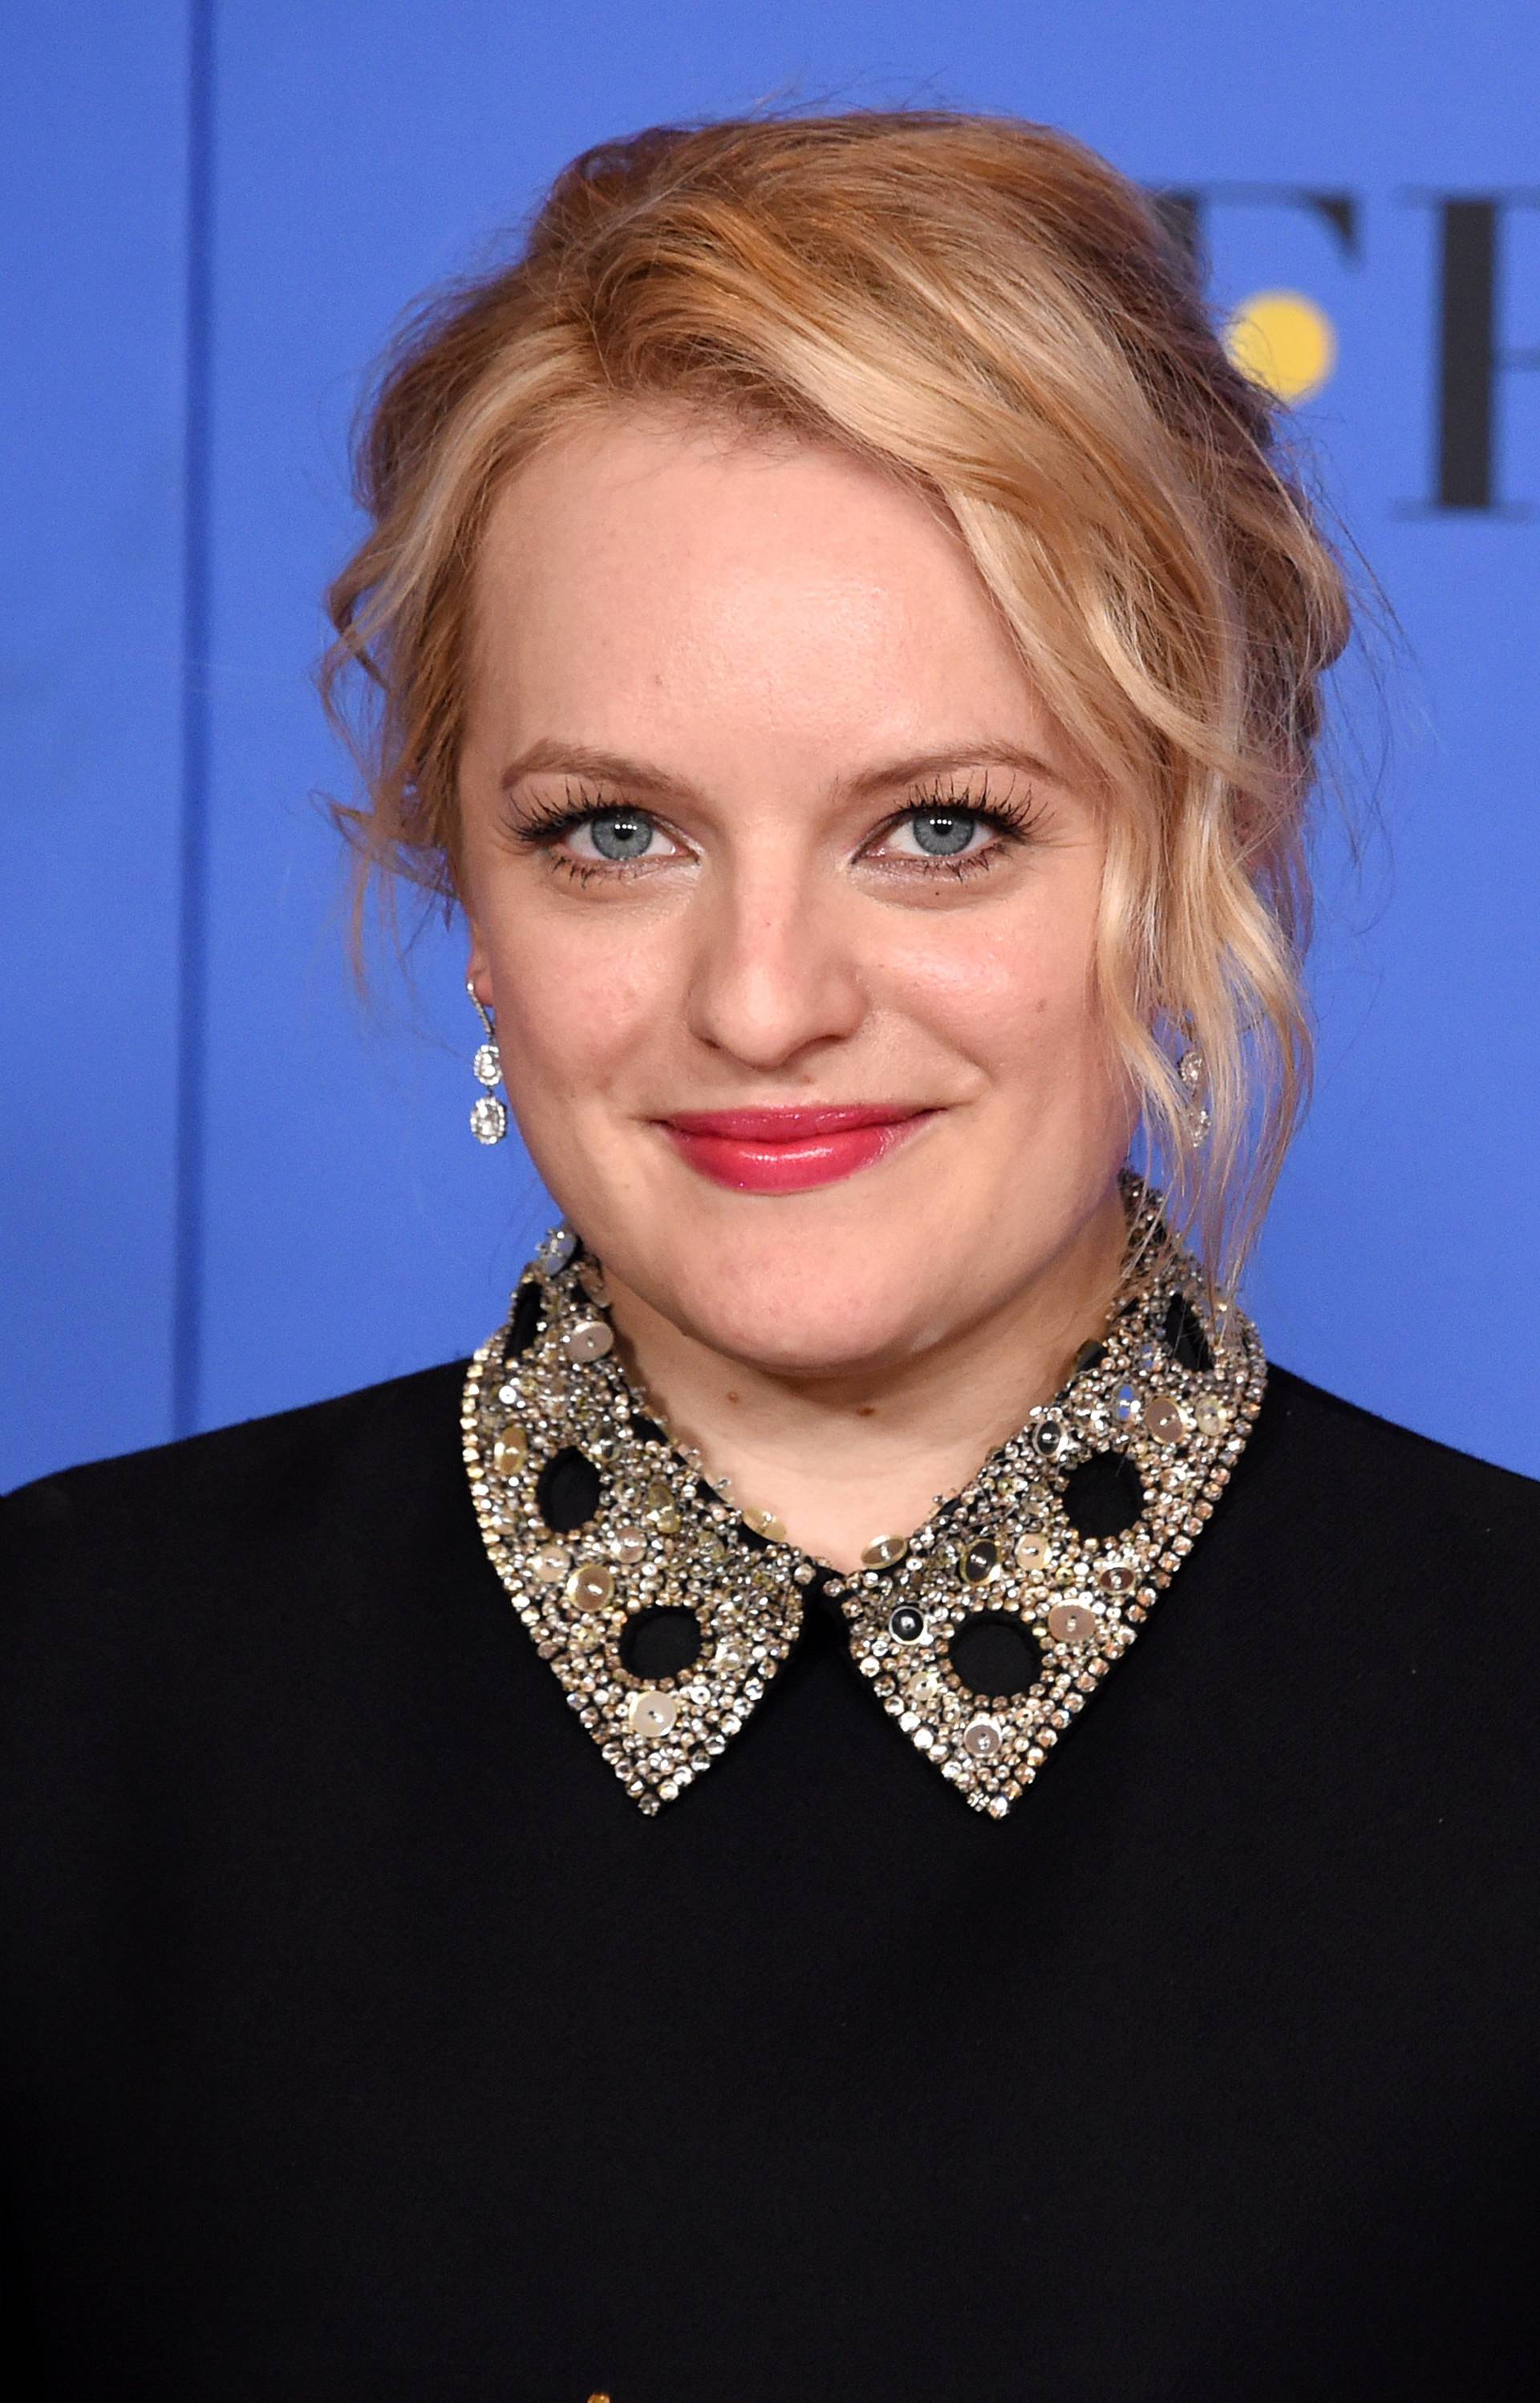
489 1117
1192 1071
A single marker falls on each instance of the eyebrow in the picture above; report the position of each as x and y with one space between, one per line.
551 756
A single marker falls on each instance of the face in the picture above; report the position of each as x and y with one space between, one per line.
783 889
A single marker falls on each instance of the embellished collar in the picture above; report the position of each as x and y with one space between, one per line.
665 1612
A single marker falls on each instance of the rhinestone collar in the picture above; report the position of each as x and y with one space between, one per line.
596 1520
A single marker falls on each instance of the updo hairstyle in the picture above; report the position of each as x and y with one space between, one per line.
992 313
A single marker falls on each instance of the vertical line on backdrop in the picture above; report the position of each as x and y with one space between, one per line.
191 1080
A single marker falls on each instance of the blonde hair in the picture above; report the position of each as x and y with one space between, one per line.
989 310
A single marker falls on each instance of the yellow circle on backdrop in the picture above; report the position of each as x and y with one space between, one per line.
1283 342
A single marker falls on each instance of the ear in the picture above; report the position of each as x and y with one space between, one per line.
478 968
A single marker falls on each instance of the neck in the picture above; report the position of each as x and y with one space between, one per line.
846 1457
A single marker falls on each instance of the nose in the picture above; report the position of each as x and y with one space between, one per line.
774 971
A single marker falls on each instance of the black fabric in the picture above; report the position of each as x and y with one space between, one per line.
361 2040
1185 1338
525 1319
995 1654
1104 1494
568 1491
660 1643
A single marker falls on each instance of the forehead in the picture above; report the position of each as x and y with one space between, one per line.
657 567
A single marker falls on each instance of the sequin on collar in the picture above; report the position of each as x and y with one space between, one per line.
595 1520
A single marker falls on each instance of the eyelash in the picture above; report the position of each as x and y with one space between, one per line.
1013 822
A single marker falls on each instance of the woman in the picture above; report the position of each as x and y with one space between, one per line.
846 638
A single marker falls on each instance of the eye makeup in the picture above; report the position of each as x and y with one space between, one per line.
949 808
939 811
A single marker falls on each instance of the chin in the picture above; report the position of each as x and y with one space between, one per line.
805 1343
794 1307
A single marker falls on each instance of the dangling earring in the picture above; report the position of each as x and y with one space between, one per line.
1192 1074
489 1117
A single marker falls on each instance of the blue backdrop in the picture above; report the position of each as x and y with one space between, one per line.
229 1187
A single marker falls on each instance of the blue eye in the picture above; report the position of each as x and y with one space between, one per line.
941 834
618 834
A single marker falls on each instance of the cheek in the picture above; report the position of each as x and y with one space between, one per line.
1017 994
577 1001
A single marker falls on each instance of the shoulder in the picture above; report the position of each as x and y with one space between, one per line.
292 1481
205 1600
1317 1433
193 1636
1329 1497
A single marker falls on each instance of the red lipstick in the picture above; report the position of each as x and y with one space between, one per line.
789 1150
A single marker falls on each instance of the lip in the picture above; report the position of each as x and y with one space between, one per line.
794 1149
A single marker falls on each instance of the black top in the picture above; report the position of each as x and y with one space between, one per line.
361 2040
